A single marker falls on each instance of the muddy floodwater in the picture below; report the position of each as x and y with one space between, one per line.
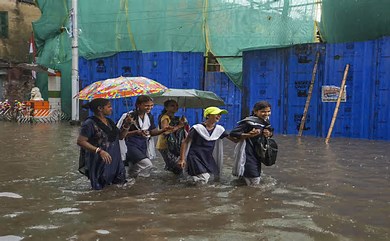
338 191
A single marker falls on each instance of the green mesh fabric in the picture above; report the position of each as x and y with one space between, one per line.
223 27
349 21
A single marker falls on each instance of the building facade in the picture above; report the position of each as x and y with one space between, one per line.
15 34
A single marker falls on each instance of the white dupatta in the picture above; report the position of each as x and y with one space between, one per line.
218 148
239 159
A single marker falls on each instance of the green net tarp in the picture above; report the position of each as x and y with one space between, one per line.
358 20
222 27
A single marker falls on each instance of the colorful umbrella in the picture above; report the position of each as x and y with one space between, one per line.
121 87
189 98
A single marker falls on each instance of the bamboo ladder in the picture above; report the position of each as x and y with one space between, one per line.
336 110
313 77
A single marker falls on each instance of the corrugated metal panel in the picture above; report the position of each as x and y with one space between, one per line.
128 64
381 115
282 76
84 72
157 66
220 84
299 70
173 69
187 73
352 119
85 80
125 64
102 68
263 79
187 70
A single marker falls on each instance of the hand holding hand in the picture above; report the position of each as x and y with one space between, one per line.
145 133
168 128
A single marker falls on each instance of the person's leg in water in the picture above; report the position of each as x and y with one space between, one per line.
141 168
171 162
252 181
200 179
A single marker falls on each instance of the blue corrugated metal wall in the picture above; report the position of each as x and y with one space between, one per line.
263 79
381 109
299 68
353 118
183 70
282 76
220 84
173 69
126 64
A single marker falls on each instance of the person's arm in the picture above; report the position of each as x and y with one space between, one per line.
182 161
254 132
125 127
241 132
226 134
82 141
156 132
164 124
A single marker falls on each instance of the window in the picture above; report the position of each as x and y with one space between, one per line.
3 24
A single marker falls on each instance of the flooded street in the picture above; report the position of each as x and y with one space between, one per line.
339 191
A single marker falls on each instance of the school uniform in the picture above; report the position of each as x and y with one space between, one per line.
246 162
205 152
139 149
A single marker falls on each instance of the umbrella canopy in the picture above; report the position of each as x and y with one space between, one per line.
121 87
189 98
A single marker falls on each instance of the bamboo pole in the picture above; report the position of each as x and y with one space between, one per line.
313 77
337 104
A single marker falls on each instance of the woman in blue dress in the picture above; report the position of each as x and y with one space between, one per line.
99 137
202 150
246 163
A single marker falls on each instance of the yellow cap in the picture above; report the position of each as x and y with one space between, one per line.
213 111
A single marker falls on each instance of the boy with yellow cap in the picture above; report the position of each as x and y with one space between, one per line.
202 150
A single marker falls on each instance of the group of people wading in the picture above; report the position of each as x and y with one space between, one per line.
195 153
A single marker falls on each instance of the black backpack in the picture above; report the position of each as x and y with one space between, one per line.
266 150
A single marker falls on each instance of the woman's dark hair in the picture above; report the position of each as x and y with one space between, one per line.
166 104
260 105
142 99
95 103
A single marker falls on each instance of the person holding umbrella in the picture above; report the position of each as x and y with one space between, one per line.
140 149
169 143
99 138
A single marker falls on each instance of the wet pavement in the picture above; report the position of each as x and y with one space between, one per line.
315 191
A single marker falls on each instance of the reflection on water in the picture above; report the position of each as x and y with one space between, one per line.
338 191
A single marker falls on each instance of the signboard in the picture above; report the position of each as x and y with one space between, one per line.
330 93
